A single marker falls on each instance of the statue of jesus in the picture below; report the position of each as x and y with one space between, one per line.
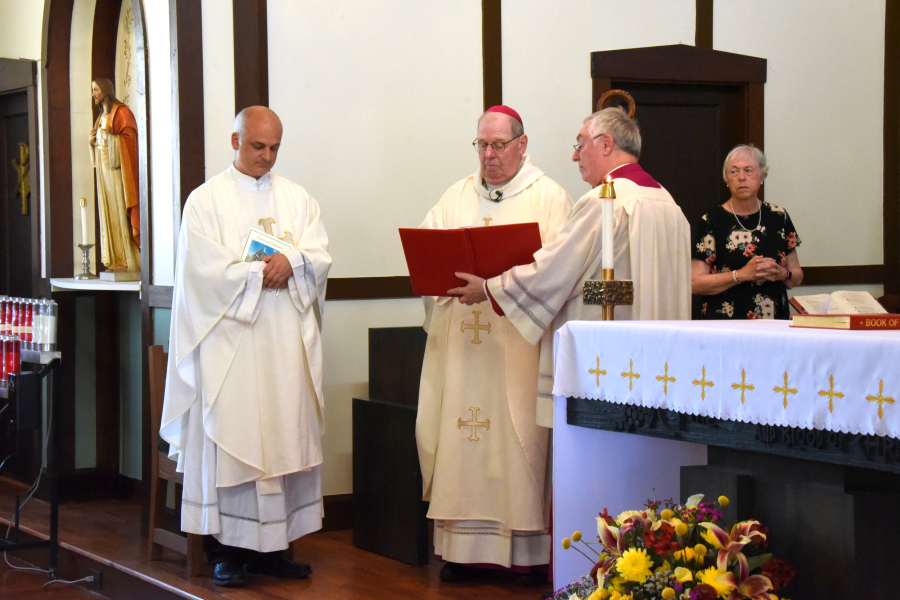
114 154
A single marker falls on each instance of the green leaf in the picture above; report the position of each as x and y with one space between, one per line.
754 562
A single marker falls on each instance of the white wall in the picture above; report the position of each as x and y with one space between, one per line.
20 28
82 121
379 102
824 117
159 73
547 71
218 83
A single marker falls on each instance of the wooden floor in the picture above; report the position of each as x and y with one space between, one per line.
106 533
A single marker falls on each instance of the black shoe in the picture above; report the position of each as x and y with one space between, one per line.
228 573
275 564
532 578
456 573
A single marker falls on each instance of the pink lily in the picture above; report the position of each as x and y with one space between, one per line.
610 538
754 587
731 544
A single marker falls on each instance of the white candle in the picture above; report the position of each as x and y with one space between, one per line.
84 227
607 229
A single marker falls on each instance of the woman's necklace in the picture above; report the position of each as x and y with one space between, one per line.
742 225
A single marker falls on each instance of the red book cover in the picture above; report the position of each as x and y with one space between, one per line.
858 322
434 255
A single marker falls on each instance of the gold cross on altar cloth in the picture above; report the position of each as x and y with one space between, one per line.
831 393
597 371
880 398
487 221
474 424
630 374
463 326
785 390
743 385
703 383
666 380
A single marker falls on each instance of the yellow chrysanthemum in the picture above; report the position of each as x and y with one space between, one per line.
708 576
576 537
666 514
682 575
723 501
627 514
681 529
668 593
710 539
634 565
566 543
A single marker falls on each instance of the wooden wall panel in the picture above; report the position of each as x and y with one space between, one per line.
251 54
491 52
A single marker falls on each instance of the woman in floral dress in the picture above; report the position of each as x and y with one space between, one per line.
744 256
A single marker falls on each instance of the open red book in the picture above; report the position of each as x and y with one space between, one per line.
434 255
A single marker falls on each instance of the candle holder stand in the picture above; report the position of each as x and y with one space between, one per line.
85 262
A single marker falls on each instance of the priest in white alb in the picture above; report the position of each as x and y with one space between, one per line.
651 246
243 409
482 454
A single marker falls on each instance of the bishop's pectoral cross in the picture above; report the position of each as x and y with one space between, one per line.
473 424
267 223
478 327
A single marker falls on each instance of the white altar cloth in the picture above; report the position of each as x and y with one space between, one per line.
762 372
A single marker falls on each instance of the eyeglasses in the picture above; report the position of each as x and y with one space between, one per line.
482 146
578 147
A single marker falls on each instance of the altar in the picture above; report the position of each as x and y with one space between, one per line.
800 427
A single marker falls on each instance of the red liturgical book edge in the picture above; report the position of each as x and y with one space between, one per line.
434 255
859 322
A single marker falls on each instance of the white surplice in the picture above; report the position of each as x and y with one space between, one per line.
652 249
486 485
243 410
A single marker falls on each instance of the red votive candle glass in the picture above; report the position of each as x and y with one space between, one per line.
4 378
13 327
27 319
4 306
12 355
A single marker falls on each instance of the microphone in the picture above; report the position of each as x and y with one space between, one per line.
498 197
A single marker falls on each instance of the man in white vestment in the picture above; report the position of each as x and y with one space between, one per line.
482 454
243 410
651 246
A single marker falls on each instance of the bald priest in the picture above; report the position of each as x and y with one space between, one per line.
243 408
482 454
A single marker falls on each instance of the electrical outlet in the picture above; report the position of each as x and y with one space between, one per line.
98 578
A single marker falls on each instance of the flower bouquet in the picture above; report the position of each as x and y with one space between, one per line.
680 552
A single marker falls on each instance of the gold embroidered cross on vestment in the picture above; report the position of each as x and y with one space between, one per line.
785 390
831 393
880 399
267 223
487 221
743 385
630 374
478 327
703 383
666 380
597 371
473 424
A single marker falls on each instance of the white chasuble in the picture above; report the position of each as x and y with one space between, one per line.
652 249
243 411
482 454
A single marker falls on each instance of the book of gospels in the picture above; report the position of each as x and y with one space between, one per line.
259 245
434 255
842 302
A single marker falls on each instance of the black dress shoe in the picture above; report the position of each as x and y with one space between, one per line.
532 578
456 573
275 564
228 573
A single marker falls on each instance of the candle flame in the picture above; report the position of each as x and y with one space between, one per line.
608 179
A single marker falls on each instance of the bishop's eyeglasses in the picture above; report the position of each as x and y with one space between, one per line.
481 146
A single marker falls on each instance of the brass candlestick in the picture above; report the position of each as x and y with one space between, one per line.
608 292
